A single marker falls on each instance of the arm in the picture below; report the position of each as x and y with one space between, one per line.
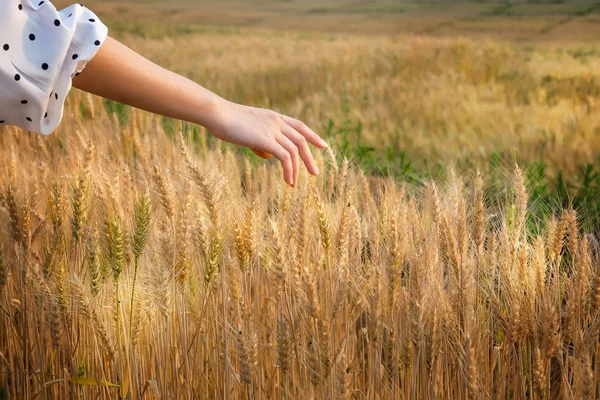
118 73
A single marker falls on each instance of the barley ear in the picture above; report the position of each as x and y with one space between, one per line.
323 220
479 213
165 191
141 224
93 262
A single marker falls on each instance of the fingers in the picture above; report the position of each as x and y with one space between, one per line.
293 152
303 149
291 146
284 156
304 130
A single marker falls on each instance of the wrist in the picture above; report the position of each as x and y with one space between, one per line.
212 113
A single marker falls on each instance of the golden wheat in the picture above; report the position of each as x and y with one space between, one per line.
136 264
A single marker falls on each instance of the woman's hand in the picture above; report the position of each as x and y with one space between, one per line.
120 74
267 133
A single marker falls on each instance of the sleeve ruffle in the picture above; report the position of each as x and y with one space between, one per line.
54 46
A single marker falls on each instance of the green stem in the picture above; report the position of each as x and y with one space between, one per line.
119 327
135 269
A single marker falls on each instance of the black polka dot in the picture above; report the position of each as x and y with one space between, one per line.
44 66
40 3
92 20
24 101
17 77
6 47
28 119
50 94
20 6
1 121
75 56
97 43
31 37
56 22
70 15
56 96
46 115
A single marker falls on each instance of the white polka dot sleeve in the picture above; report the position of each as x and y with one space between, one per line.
41 50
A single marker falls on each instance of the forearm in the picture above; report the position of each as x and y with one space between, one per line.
120 74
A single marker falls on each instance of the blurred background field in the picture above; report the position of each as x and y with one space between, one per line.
405 88
517 20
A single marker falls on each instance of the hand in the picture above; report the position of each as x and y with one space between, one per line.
120 74
267 133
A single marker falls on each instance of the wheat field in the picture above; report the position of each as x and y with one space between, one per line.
440 100
141 258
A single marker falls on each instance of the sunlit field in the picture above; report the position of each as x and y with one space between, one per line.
449 249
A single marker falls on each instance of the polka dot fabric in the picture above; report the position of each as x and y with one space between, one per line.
41 50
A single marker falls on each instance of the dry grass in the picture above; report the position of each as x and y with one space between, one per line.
346 287
439 100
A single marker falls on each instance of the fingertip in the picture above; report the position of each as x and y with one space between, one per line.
318 142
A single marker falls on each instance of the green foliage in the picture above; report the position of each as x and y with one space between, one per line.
582 192
82 368
84 110
347 139
504 9
122 111
548 193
